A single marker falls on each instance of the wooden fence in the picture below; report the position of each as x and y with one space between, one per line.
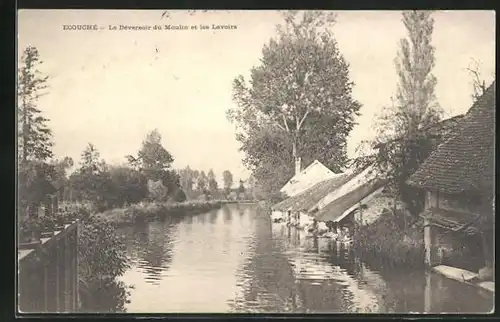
48 274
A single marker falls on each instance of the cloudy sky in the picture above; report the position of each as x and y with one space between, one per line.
112 87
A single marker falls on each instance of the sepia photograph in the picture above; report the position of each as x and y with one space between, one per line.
255 161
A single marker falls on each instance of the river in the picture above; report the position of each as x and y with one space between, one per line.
233 260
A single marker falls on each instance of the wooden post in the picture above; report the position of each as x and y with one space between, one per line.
45 288
58 263
55 203
77 284
428 293
430 244
67 272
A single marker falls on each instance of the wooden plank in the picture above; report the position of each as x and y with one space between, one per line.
488 285
455 273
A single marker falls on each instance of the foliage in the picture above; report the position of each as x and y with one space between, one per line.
301 83
179 195
227 176
213 187
34 183
402 139
386 241
144 211
186 178
241 188
60 178
105 296
157 191
102 255
92 181
128 186
34 137
107 260
152 159
202 182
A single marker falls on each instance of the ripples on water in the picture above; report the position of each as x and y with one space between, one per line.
234 260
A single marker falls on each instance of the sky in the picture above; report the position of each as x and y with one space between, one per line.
112 87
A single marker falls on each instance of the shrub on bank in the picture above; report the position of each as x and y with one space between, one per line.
101 255
102 258
144 211
386 241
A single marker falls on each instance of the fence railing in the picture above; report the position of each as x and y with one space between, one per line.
48 273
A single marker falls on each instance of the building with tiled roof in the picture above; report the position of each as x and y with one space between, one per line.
458 178
465 162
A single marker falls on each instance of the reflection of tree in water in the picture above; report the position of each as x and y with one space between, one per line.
227 215
153 243
266 277
188 220
201 218
212 216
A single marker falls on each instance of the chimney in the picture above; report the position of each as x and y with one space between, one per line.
297 165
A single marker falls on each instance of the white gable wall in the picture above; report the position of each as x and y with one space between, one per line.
310 176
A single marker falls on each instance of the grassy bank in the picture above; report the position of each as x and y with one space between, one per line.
146 211
386 242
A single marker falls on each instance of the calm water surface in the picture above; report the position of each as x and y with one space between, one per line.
234 260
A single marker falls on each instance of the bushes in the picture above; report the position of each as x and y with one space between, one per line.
144 211
385 241
102 258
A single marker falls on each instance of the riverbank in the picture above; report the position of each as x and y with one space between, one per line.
147 211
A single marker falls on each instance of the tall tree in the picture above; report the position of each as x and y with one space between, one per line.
241 188
202 182
302 80
34 141
92 181
186 179
60 181
152 159
212 183
227 176
402 137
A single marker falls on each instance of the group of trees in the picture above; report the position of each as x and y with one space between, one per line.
147 175
196 183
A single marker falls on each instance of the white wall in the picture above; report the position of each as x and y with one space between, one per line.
310 176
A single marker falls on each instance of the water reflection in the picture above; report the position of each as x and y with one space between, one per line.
152 248
234 260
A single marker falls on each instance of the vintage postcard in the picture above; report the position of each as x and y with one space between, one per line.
233 161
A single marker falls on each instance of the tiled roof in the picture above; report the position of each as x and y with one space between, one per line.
334 210
310 197
465 162
444 129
